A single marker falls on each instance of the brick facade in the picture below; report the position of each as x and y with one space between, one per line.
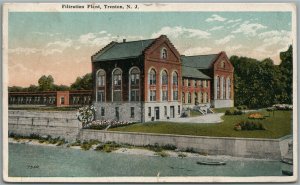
162 90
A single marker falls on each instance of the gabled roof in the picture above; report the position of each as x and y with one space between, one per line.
122 50
191 72
199 61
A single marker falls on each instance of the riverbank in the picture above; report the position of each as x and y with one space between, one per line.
149 151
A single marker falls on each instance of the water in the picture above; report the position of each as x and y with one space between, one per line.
45 161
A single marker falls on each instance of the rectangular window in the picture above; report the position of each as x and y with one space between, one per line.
134 95
132 112
195 83
153 95
165 96
62 100
149 111
102 111
166 110
101 81
175 95
189 83
178 109
201 83
100 96
117 96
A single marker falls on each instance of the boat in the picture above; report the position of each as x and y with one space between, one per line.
286 172
211 163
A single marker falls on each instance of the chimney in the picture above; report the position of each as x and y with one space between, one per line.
124 40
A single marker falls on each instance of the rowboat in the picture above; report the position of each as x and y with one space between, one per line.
211 163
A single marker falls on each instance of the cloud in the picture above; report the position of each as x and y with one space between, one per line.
249 29
25 51
46 33
216 28
215 17
179 31
233 48
225 39
197 51
233 21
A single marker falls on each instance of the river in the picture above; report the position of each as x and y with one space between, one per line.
44 161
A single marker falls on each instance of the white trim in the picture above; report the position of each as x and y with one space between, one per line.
112 84
96 81
129 83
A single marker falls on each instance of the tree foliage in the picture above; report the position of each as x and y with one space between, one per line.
46 83
261 83
83 83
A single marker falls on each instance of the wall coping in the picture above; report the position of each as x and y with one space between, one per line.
190 136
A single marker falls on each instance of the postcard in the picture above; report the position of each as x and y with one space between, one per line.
149 92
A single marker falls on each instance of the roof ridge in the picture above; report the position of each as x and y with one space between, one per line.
112 43
198 55
133 41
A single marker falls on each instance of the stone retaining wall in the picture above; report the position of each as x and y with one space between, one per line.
64 125
56 124
239 147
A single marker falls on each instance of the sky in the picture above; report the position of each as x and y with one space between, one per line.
61 43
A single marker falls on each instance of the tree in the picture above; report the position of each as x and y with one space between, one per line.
83 83
46 83
286 68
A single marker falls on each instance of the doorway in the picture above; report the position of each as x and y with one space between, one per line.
156 113
117 113
172 112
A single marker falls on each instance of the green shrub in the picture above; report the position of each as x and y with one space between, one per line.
234 112
182 155
190 149
169 147
247 125
107 147
155 147
162 154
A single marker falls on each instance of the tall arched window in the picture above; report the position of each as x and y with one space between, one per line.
117 84
164 85
100 85
218 87
228 88
205 97
189 98
152 85
163 53
134 81
196 99
200 97
224 88
175 86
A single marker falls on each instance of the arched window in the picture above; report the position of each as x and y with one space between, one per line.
189 98
183 98
163 53
201 98
152 85
205 97
228 88
100 85
164 85
152 77
175 86
134 81
218 87
117 84
196 98
224 88
223 64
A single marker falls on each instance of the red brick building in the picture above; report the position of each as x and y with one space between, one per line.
148 80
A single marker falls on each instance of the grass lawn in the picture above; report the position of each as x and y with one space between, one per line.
276 126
